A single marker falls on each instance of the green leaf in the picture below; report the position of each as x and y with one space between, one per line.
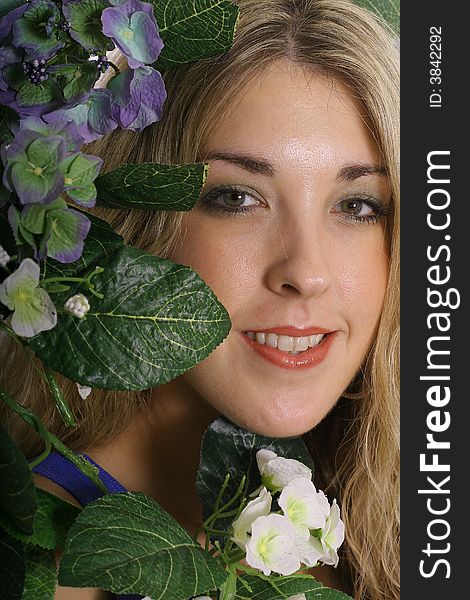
152 186
100 243
194 30
157 319
18 497
277 587
53 519
387 9
127 543
41 574
12 567
226 448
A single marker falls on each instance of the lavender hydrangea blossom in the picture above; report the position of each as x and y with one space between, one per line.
93 118
35 31
32 166
134 30
139 95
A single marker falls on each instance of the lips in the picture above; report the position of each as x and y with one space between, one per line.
305 360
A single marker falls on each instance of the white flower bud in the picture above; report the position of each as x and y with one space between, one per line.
4 257
77 305
84 391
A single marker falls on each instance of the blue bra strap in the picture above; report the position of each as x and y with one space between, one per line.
59 469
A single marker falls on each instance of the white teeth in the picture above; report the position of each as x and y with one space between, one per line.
286 343
271 340
314 340
300 344
260 338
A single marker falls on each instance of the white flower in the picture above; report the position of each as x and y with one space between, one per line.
277 472
33 308
272 545
4 257
77 305
303 505
255 508
332 536
298 597
322 546
84 391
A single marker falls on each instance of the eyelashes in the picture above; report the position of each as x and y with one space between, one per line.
232 200
228 200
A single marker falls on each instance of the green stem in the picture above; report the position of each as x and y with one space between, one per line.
235 556
33 420
61 403
38 460
56 279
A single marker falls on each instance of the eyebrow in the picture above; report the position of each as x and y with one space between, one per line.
261 166
252 164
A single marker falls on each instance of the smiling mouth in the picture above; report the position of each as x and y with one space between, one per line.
287 344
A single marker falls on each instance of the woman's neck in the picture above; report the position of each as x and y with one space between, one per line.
158 453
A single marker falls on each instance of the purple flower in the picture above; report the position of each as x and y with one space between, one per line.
7 21
35 30
93 118
65 234
139 95
32 166
16 89
133 28
58 230
62 127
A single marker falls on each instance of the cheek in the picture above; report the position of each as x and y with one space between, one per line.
362 280
228 264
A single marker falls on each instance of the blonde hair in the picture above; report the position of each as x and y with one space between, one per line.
356 447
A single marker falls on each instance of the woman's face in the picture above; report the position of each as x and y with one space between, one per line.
289 233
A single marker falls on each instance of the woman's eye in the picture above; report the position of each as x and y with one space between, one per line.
228 200
361 210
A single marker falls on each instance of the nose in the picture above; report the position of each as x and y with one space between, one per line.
299 262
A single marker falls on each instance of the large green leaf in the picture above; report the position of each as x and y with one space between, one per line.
276 588
194 29
41 574
152 186
12 567
227 448
127 543
388 9
100 243
53 519
157 319
18 494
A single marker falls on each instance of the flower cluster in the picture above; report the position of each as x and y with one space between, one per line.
307 530
52 52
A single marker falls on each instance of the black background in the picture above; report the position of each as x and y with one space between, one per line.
425 129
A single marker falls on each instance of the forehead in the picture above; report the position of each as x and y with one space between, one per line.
289 113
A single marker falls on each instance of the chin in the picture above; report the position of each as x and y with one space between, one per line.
289 420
